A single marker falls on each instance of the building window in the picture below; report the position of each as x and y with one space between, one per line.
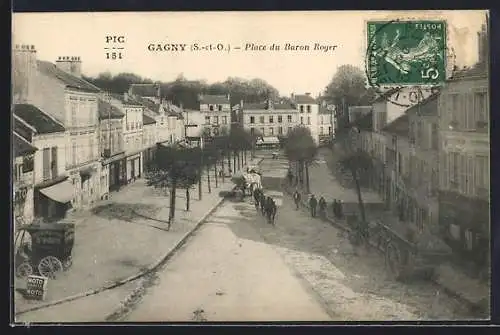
280 130
74 110
435 137
73 152
252 131
301 108
216 119
309 108
321 130
252 119
289 118
308 120
224 120
280 118
46 163
482 173
220 108
271 119
261 119
18 172
454 161
271 131
329 130
454 110
262 131
301 120
28 163
211 108
207 119
91 148
480 107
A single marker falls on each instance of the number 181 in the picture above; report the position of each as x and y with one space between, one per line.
113 55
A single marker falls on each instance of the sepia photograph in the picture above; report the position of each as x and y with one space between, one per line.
250 166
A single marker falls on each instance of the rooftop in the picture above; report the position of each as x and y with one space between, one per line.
399 127
67 79
145 90
147 120
214 99
427 106
107 110
128 101
42 122
304 99
22 147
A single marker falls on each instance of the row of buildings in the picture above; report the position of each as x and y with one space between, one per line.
431 161
73 142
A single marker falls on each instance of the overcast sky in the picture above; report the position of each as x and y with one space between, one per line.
83 34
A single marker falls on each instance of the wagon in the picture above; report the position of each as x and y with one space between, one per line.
44 248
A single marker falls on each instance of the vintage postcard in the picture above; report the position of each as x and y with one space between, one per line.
250 166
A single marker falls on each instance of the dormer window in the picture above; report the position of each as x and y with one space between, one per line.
211 108
220 108
302 108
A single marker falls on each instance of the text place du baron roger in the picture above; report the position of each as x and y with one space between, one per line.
248 47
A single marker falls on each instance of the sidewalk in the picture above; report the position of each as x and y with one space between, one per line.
115 241
457 283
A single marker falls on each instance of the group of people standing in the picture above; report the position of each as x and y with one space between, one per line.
314 205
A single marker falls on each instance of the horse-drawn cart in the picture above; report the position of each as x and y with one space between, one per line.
45 248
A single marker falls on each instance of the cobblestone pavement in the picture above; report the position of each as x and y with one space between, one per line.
227 273
114 243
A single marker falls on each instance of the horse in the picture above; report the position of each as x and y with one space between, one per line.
271 210
262 202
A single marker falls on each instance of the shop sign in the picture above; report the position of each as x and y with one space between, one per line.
36 287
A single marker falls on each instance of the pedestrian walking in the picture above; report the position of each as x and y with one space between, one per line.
296 199
313 203
322 207
335 209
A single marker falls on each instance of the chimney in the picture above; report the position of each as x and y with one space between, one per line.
241 104
181 105
482 41
292 96
24 73
125 96
72 65
323 103
229 97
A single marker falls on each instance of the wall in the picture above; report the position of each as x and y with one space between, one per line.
206 108
50 97
58 140
116 136
132 129
24 72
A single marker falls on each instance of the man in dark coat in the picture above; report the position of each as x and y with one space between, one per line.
322 207
262 203
296 199
313 203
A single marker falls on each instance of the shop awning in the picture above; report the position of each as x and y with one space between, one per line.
269 140
62 192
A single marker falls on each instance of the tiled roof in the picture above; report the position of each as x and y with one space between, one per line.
428 106
214 99
43 123
107 110
304 99
22 147
254 106
145 90
147 120
130 100
67 79
284 106
149 104
399 127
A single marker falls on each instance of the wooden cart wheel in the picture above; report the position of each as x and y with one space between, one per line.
393 261
50 267
24 270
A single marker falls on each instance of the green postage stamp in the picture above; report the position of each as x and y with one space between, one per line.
406 53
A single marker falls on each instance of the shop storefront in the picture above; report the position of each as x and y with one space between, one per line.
465 225
134 167
53 199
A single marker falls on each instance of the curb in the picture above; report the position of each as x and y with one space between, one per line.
142 273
